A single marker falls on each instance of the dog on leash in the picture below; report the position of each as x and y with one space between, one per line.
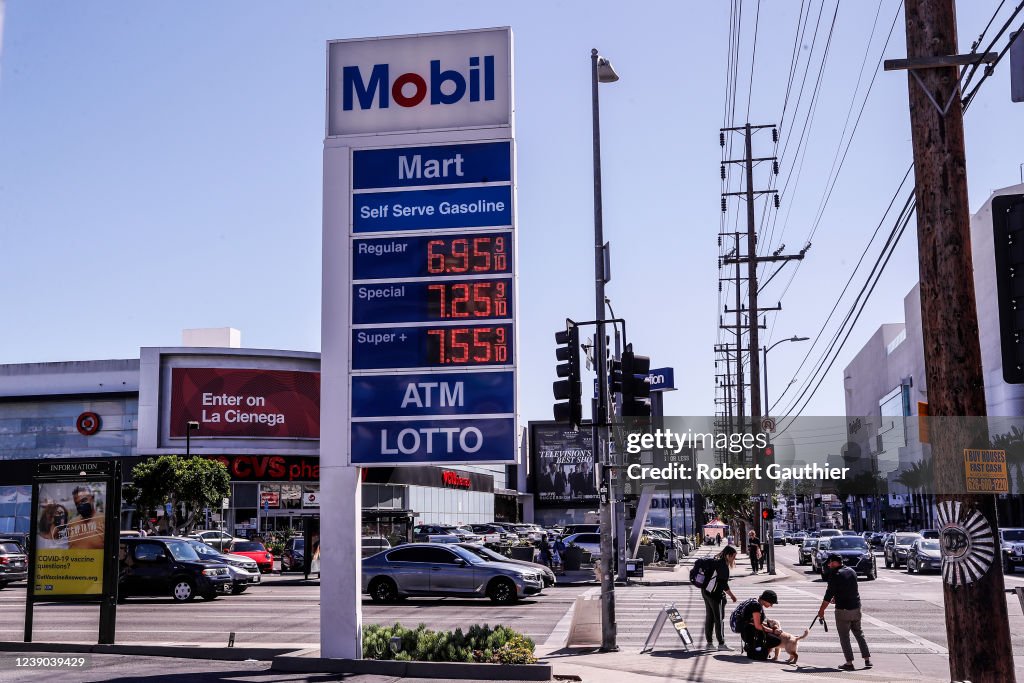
789 643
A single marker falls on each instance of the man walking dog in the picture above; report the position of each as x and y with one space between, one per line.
842 586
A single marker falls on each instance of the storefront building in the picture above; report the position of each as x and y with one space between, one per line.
256 411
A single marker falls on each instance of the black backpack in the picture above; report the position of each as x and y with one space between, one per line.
735 621
702 574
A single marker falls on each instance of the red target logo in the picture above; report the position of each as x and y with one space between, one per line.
88 424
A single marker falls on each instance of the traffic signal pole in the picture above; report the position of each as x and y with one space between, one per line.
975 602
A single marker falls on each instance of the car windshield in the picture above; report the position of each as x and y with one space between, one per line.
848 543
1013 534
203 549
810 542
930 545
906 540
248 547
485 554
182 551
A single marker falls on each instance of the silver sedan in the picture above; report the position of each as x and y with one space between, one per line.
438 569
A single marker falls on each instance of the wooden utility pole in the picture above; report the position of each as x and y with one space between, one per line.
975 602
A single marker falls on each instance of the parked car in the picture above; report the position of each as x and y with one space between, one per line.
1011 544
589 541
244 571
490 556
924 555
581 528
440 569
215 538
375 544
13 562
489 532
806 550
662 540
292 555
821 550
929 533
778 537
433 533
464 534
158 565
532 532
511 535
855 553
897 546
255 551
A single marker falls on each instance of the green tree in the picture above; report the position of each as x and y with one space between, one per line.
190 484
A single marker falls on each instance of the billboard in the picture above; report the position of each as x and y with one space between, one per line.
562 461
249 403
419 82
70 530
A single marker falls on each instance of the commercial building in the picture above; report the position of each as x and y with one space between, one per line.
886 388
257 411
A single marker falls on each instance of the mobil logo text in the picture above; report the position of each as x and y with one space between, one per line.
438 84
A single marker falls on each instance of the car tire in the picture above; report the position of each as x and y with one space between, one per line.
183 589
1007 566
209 596
238 590
383 590
888 562
823 576
3 584
502 592
872 573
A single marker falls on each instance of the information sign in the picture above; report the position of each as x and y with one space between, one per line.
431 347
986 471
465 207
464 393
455 300
433 256
434 165
421 441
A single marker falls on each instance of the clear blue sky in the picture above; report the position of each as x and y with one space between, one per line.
160 169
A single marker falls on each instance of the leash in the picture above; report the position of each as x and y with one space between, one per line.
816 619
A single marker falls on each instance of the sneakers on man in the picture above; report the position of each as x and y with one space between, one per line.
867 663
724 647
846 667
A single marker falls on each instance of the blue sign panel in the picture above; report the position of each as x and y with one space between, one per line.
427 347
454 393
662 379
489 162
448 300
467 207
413 441
435 256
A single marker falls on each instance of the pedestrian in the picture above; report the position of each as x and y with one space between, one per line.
754 551
718 540
556 554
757 639
843 590
714 600
545 552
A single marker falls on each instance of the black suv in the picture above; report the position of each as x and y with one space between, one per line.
13 562
157 565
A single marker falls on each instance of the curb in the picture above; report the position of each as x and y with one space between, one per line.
434 670
180 651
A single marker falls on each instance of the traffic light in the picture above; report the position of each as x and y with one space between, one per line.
636 391
568 391
767 514
1008 240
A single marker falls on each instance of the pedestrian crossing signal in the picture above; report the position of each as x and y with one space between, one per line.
767 514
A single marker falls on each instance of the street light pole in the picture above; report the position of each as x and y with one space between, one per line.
602 72
769 533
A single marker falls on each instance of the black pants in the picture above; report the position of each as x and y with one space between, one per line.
753 638
714 616
755 564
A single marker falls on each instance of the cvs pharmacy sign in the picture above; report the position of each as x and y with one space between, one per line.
424 82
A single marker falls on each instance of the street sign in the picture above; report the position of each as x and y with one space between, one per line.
424 394
986 471
412 442
768 424
225 503
662 379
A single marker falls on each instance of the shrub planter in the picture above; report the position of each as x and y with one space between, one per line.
523 552
647 554
572 558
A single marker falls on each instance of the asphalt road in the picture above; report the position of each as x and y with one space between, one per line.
904 613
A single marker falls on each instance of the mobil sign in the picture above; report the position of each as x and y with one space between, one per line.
419 83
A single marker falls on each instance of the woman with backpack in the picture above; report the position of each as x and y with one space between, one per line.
714 591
